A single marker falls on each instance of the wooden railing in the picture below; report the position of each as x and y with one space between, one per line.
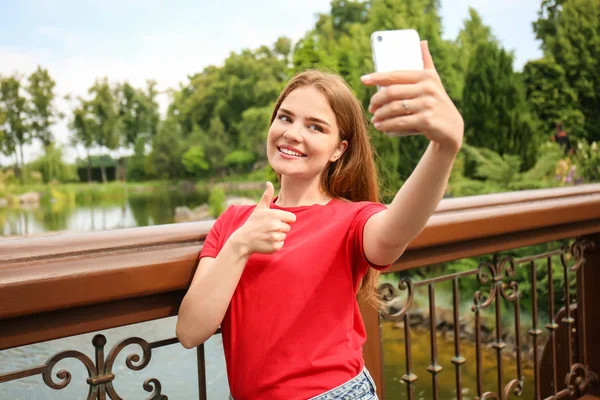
57 286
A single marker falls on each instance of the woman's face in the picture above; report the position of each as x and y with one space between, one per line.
304 137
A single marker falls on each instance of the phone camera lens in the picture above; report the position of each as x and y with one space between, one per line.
379 38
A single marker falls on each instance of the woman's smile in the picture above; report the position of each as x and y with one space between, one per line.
289 152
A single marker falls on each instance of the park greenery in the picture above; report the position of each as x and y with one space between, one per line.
216 123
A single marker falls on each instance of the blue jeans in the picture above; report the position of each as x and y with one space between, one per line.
361 387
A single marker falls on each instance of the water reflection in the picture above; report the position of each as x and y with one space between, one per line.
395 366
84 214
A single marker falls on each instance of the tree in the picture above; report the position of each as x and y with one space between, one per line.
215 144
254 127
495 107
247 79
52 166
551 98
570 34
310 53
345 13
104 121
16 128
283 48
473 34
81 126
240 160
194 161
42 112
138 115
168 147
4 148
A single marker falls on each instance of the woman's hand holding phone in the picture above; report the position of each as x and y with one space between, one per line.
416 101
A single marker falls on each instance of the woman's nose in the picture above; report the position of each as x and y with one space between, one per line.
293 133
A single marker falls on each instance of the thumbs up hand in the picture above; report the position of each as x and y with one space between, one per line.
266 229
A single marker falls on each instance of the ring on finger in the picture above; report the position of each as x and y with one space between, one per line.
405 105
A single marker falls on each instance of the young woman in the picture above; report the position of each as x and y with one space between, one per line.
283 278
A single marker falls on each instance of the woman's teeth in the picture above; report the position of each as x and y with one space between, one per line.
290 152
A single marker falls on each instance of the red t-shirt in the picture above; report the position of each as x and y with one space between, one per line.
293 328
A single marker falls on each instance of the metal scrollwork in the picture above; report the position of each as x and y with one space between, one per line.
488 395
64 375
508 267
576 251
153 385
387 293
486 273
514 387
131 358
100 375
579 379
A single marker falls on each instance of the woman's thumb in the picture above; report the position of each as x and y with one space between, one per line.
427 59
267 197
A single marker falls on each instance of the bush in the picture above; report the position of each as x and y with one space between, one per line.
50 166
240 160
194 161
216 201
587 161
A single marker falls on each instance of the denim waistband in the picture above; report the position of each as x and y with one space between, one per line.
361 387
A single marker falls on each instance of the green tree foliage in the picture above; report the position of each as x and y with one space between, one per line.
42 111
570 34
551 98
3 136
587 160
138 115
240 160
216 143
104 122
168 147
194 161
495 106
253 129
216 201
248 79
473 33
52 167
493 172
81 131
136 164
17 132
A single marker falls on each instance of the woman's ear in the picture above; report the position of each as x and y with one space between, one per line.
339 151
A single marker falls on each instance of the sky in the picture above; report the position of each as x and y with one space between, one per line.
167 40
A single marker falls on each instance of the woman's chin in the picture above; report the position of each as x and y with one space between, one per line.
291 172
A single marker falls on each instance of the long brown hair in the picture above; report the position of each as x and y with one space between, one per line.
353 176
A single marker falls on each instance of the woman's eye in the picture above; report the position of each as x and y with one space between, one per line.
284 118
316 127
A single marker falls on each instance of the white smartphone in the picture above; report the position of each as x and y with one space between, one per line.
396 50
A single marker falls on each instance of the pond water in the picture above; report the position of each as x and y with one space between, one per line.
121 210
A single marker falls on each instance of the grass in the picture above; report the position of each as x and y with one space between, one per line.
95 192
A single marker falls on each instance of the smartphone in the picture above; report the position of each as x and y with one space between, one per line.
396 50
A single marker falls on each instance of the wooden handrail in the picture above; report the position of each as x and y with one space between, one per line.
48 285
12 250
522 196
